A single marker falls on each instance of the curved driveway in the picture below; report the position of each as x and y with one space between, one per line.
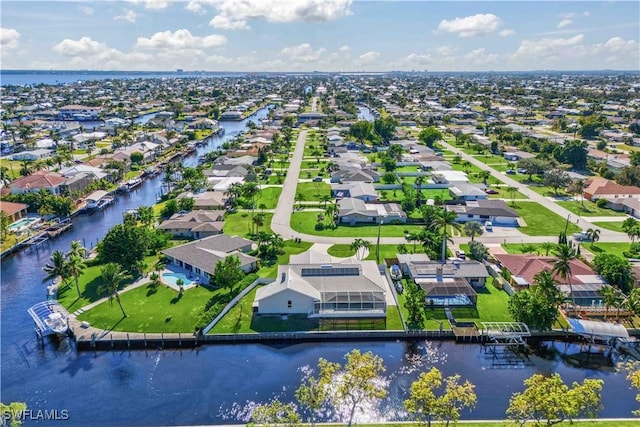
282 214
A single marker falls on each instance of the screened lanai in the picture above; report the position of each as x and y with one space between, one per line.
446 291
350 303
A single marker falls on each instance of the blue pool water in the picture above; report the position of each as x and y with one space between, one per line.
172 279
22 224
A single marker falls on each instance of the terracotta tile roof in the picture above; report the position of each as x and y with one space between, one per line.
527 266
598 186
40 179
11 208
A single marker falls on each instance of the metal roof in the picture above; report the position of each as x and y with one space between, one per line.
598 329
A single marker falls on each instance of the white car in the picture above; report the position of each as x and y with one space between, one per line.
488 226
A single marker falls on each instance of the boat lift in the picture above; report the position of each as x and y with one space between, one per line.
50 317
508 335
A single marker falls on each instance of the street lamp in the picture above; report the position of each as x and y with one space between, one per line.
378 242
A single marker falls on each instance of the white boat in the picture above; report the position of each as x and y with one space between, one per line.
50 318
95 199
396 273
130 185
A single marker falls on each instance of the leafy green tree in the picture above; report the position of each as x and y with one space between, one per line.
573 152
429 136
615 270
313 393
12 414
355 382
547 399
361 130
478 251
227 273
146 215
472 229
112 276
538 305
5 222
425 404
170 208
385 127
136 157
415 305
275 413
631 226
556 178
125 244
484 175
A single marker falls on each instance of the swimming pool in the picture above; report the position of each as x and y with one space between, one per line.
172 279
23 224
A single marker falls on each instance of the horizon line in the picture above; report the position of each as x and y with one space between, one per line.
318 71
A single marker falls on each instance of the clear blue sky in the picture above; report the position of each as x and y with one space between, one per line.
324 35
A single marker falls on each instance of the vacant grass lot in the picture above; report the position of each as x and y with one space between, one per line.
588 208
268 197
152 309
304 222
610 248
516 248
239 223
541 221
613 226
312 190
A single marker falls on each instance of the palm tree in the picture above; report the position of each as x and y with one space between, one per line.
413 237
360 244
75 267
546 247
484 175
562 266
442 221
466 164
258 220
529 248
77 249
57 268
578 187
232 193
631 227
330 211
610 297
250 190
473 228
512 192
112 275
325 198
593 234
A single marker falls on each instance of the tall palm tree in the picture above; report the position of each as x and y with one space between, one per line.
562 266
631 227
258 220
419 182
610 297
232 193
546 247
77 249
593 234
442 221
112 275
578 187
360 244
484 175
250 190
473 228
330 211
76 267
57 267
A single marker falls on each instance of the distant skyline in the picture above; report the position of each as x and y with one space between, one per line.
319 35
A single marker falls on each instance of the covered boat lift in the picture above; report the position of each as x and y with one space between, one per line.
50 318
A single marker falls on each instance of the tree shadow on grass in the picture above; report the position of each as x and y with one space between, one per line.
152 288
176 299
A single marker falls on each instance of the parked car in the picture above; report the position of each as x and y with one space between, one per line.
491 191
510 172
399 287
581 237
461 254
317 179
488 226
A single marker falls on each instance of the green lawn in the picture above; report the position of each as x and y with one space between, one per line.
152 309
491 306
398 195
313 164
290 248
610 248
239 223
268 197
305 222
613 226
341 251
504 194
588 209
516 248
312 190
541 221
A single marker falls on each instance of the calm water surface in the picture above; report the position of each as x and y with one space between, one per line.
217 384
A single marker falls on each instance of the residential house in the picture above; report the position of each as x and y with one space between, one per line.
200 257
351 289
37 181
523 268
79 112
465 191
32 155
358 190
207 200
355 175
449 177
355 211
515 155
480 210
14 211
601 188
196 224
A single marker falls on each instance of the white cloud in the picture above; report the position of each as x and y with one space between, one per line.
471 26
195 7
225 23
153 4
284 10
507 32
446 50
368 57
303 53
344 48
181 39
129 16
547 47
564 23
219 59
586 13
83 47
86 10
9 38
480 58
416 58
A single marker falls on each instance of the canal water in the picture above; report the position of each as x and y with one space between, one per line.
220 384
